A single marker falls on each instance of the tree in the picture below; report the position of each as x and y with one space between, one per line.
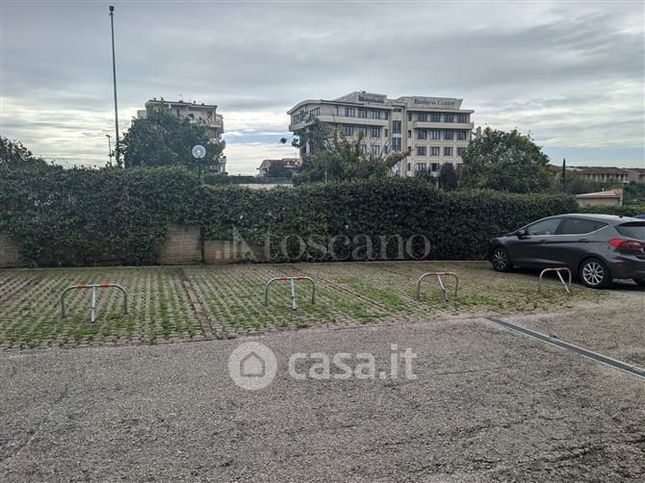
505 161
447 177
331 156
14 154
344 160
278 170
162 138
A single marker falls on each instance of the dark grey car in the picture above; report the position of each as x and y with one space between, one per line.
597 248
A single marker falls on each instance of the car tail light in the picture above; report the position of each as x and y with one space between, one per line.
626 244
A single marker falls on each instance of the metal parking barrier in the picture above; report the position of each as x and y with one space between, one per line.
559 271
442 287
292 283
94 287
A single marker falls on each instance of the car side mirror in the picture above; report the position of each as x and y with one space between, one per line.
521 234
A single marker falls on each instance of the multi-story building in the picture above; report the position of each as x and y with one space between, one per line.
291 164
430 130
204 113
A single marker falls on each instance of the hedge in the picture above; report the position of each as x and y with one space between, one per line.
629 210
457 224
83 216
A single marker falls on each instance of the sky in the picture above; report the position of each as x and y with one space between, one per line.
570 73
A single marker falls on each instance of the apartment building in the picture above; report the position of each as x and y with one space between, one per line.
204 113
431 130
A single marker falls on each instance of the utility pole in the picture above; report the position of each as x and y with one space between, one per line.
117 150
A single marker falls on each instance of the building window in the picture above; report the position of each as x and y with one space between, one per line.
396 144
462 135
376 132
315 112
448 118
435 134
463 118
422 151
397 109
435 151
364 148
375 114
396 127
448 134
409 116
422 116
386 132
409 134
447 151
422 134
409 166
434 167
421 166
350 112
376 149
362 131
349 130
362 113
435 117
461 151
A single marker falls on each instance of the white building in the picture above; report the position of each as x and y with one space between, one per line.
431 130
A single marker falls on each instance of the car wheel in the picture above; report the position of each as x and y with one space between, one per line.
595 274
640 282
501 260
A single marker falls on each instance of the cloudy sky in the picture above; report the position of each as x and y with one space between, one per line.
571 73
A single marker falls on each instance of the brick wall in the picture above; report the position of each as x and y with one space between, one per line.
181 247
9 251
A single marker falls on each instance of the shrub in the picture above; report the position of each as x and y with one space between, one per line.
83 216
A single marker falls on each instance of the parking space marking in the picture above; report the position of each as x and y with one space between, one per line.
589 354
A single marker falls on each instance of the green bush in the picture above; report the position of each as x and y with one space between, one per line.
84 217
631 210
457 224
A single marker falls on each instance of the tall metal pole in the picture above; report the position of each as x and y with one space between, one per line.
116 109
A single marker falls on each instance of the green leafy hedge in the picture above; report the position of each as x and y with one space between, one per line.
631 210
84 217
457 224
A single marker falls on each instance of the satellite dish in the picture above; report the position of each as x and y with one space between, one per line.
199 151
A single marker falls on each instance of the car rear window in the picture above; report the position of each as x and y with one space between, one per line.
634 229
577 226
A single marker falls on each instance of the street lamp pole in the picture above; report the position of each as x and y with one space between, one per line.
116 109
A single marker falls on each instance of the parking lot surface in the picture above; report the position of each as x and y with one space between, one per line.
486 404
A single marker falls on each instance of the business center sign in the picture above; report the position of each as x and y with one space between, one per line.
442 102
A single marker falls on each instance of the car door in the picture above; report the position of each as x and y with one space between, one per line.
528 250
573 240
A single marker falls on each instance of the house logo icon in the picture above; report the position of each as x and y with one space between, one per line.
252 366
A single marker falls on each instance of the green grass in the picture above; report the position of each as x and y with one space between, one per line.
232 297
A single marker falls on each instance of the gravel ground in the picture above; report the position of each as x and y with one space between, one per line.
487 404
616 330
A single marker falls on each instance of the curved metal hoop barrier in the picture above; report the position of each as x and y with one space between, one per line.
442 287
94 287
558 270
292 283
